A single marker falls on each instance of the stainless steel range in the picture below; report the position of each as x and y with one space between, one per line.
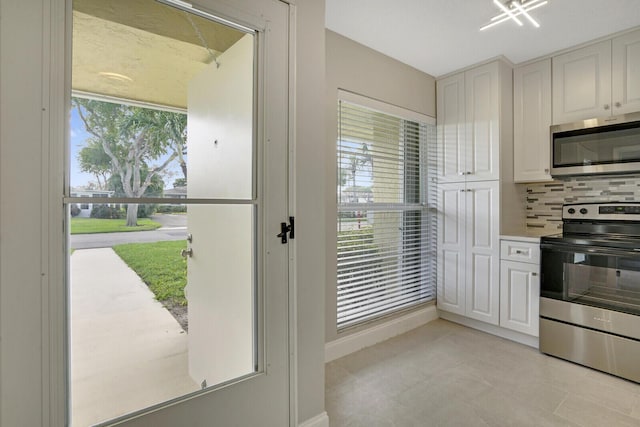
590 288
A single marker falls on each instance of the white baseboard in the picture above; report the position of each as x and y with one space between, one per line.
320 420
368 337
521 338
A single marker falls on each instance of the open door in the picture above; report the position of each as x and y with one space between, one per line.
222 237
237 104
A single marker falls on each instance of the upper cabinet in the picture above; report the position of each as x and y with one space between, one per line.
598 80
469 120
625 73
582 83
531 121
451 128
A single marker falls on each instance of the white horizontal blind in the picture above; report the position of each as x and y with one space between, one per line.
386 233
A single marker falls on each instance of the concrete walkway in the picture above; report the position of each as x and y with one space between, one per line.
128 352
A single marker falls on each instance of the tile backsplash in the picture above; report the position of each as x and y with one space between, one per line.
544 200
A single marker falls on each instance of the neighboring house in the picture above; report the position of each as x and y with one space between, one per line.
356 194
176 193
85 208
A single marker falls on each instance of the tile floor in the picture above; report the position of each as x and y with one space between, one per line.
444 374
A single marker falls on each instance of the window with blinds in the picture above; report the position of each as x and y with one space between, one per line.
386 229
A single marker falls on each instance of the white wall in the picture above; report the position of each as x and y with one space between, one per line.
357 68
27 372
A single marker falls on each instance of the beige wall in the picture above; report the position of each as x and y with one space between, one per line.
353 67
309 207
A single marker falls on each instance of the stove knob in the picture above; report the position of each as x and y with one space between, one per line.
571 211
583 211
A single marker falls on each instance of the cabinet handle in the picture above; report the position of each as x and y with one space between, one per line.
618 105
546 170
606 106
463 190
534 274
469 173
461 173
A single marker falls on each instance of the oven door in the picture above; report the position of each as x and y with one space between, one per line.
594 276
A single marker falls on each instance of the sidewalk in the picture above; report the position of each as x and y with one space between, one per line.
127 351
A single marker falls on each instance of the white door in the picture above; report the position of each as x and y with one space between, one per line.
519 292
451 248
531 121
483 251
483 122
221 260
582 83
626 73
451 129
237 196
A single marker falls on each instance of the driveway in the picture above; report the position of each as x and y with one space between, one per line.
174 227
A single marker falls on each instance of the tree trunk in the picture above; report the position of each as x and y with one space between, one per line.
132 215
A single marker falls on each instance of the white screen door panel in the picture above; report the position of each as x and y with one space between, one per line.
237 284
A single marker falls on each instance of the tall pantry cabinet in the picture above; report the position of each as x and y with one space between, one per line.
475 187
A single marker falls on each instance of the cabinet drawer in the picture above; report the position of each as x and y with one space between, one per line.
520 251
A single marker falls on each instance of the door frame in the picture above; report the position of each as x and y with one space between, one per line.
56 99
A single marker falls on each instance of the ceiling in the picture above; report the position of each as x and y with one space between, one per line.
441 36
142 50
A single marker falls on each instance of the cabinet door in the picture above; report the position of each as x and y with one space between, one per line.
582 83
451 128
519 296
626 73
483 251
451 248
531 120
483 122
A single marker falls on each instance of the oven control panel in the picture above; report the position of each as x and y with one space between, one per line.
624 211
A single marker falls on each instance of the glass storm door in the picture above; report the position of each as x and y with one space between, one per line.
219 75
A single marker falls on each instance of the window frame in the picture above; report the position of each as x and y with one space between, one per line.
425 192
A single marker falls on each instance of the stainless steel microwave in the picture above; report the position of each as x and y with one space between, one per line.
609 145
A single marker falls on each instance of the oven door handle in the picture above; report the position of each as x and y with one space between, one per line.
597 250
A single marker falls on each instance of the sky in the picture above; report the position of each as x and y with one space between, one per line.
79 137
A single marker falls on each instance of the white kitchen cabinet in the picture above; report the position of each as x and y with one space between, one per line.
519 286
531 121
452 232
451 128
582 83
468 250
597 80
469 122
625 76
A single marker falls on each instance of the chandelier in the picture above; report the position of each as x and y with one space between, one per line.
514 10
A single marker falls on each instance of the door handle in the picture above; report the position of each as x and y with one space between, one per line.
189 238
287 228
186 253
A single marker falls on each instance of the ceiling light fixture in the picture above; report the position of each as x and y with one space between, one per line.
514 8
115 76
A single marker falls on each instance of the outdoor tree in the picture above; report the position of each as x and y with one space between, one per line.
132 138
94 160
357 162
179 182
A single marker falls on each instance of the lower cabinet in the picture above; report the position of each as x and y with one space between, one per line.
469 250
519 286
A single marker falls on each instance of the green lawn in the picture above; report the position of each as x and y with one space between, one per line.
160 266
96 225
